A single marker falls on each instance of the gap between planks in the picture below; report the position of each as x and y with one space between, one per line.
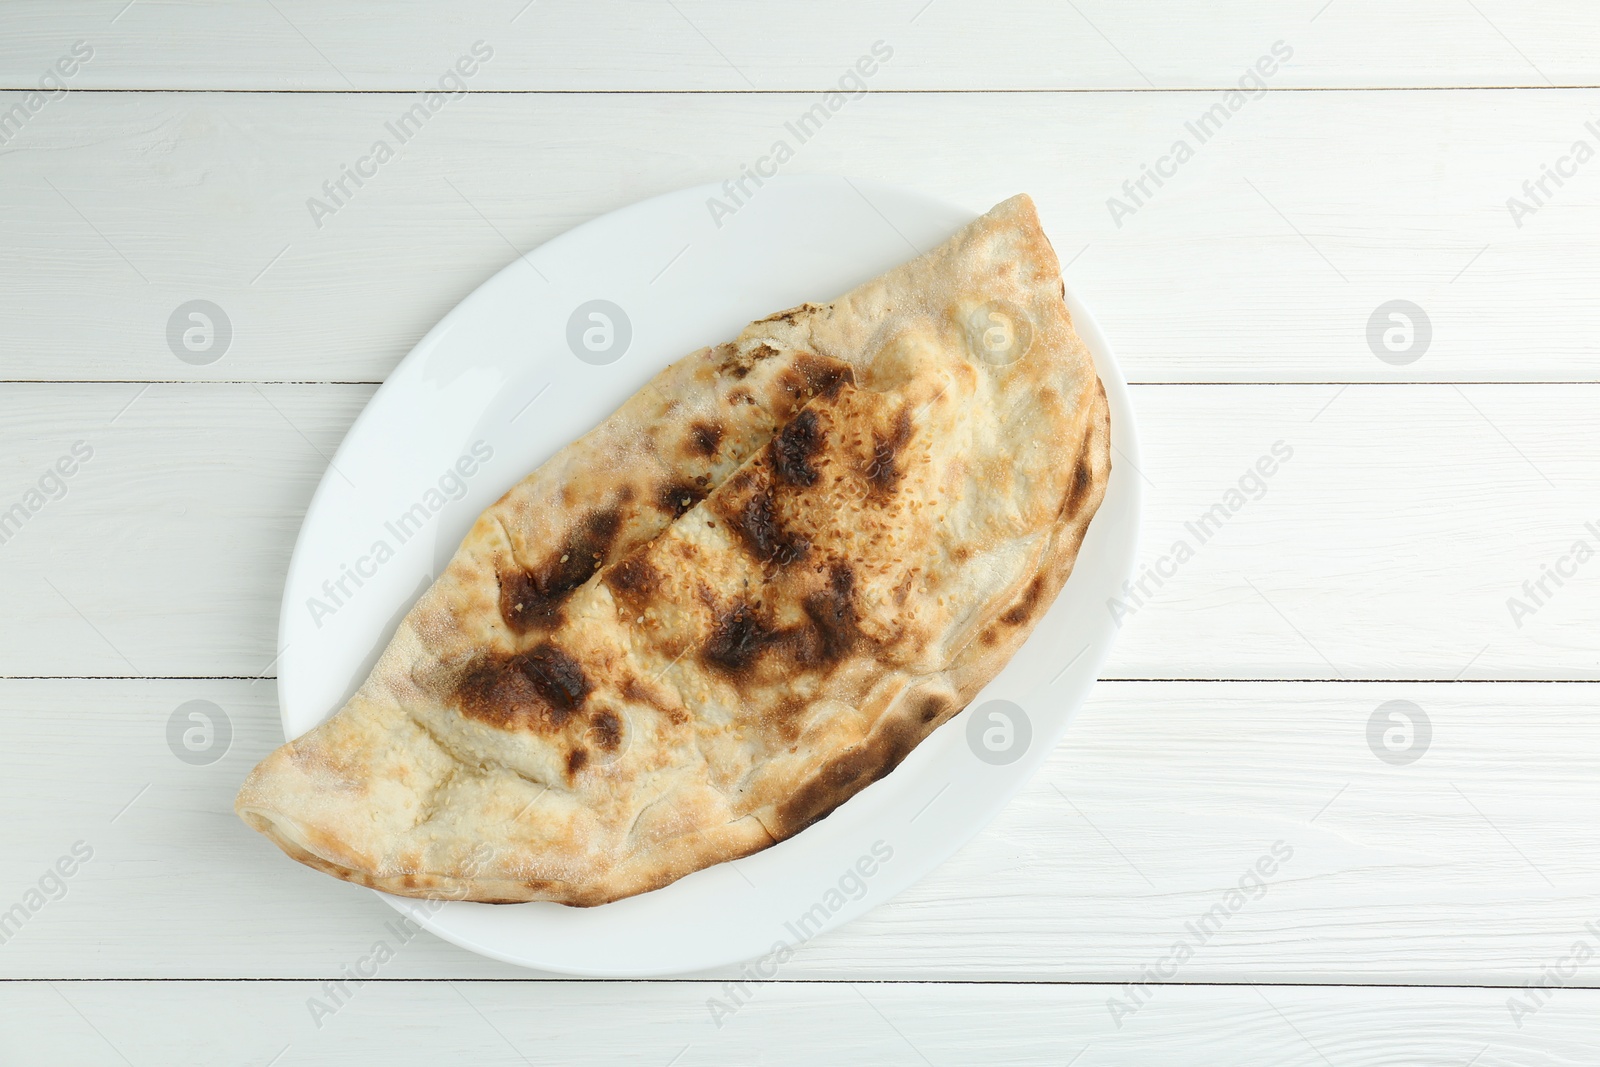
822 981
1140 383
876 92
1109 678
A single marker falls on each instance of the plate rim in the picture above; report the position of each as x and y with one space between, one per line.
1125 439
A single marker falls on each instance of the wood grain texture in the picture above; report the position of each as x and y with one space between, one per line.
506 1024
1262 260
729 46
1459 868
1387 546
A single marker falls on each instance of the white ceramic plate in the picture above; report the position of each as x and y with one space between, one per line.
498 378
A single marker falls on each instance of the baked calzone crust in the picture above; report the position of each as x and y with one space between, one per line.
732 605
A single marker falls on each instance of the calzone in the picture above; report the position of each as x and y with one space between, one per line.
732 605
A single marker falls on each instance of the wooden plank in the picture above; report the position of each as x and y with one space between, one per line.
512 1024
1459 867
1262 260
166 555
1400 520
724 45
1389 544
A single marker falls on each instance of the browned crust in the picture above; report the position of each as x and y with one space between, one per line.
996 639
902 713
905 724
978 662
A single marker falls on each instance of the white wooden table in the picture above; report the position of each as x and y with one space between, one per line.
1432 874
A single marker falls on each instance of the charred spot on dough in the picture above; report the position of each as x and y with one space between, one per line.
742 480
679 498
587 545
576 759
636 691
737 639
823 376
844 776
726 357
789 315
532 598
758 527
543 685
794 385
606 729
829 632
523 604
738 363
988 637
705 438
492 693
1082 478
787 717
1018 613
812 376
635 579
933 707
791 450
832 613
556 677
883 473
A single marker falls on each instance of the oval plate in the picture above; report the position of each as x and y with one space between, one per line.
499 381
